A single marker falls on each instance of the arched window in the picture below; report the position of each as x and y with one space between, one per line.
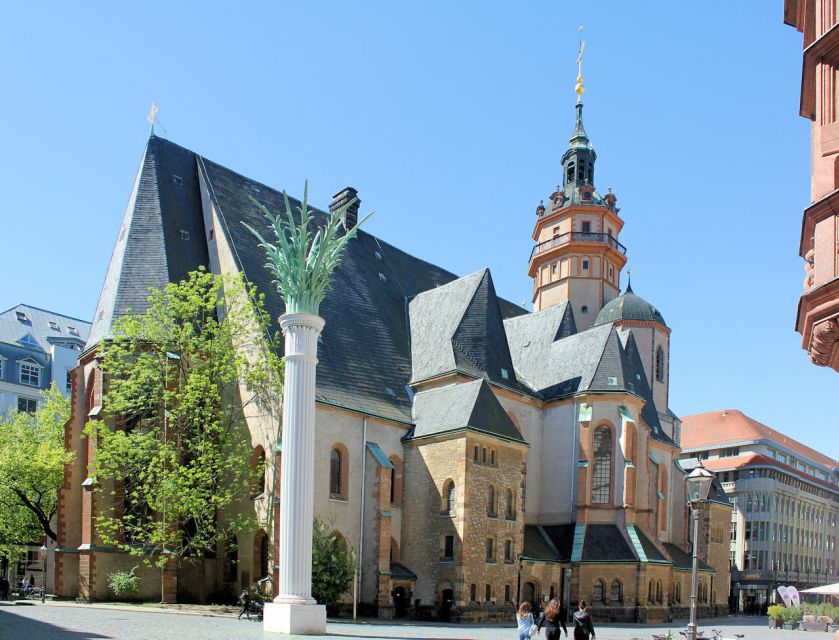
678 593
615 594
509 512
650 592
601 476
569 173
506 593
659 364
488 593
597 592
396 481
473 592
336 463
449 497
658 592
258 471
491 501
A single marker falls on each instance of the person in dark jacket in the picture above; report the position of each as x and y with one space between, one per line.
245 601
583 628
552 620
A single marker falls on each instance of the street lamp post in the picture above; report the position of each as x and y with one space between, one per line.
46 560
698 485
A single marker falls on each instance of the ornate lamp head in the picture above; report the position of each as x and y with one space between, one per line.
699 483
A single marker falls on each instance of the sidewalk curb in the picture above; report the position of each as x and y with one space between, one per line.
137 608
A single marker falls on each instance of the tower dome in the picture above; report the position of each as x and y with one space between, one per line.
628 306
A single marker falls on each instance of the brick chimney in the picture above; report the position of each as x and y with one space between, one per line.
343 197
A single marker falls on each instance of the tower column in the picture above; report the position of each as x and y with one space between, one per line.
294 610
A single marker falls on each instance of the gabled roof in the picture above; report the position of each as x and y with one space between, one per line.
460 327
469 406
150 251
682 559
718 428
39 323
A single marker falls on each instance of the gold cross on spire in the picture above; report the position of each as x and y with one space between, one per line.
152 117
580 88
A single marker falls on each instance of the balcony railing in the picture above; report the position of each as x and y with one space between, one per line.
578 236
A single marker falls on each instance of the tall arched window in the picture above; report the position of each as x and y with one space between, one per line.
659 364
336 463
658 592
601 475
491 501
449 497
488 593
396 481
650 592
473 592
258 471
678 593
597 592
510 512
616 595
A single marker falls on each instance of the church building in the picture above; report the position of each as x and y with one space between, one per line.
474 454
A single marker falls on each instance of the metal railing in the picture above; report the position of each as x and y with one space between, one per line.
578 236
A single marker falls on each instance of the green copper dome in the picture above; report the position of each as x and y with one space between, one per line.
628 306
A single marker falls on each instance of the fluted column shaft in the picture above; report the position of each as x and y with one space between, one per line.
301 331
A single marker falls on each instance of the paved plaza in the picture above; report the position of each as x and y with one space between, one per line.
81 622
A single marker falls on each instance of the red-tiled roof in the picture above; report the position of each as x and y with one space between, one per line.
707 430
759 460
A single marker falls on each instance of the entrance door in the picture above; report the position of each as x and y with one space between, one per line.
446 606
530 593
400 602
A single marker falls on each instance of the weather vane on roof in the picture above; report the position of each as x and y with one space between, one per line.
152 117
580 88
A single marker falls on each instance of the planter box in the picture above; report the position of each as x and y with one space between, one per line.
775 623
790 625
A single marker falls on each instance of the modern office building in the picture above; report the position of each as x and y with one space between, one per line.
818 307
786 504
37 348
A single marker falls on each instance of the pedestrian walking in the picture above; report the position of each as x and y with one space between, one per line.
245 601
583 627
5 587
524 619
553 622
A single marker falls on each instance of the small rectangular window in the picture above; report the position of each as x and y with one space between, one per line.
54 326
30 374
585 265
73 331
69 382
508 551
21 316
448 548
553 268
586 227
490 551
184 235
27 405
505 374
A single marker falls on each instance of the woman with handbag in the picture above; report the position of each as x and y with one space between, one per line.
552 619
583 627
524 618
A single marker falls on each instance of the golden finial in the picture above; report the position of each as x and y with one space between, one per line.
580 88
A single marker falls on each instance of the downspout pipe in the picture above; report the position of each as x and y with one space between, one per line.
358 560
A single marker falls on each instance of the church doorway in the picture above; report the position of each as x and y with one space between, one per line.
530 593
400 603
446 605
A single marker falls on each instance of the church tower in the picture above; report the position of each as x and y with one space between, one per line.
577 257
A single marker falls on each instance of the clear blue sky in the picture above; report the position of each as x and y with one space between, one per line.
450 120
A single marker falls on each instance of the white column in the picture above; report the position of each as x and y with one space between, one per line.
294 610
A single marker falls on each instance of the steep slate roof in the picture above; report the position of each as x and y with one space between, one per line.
682 559
37 325
604 542
460 327
468 406
720 428
537 545
150 251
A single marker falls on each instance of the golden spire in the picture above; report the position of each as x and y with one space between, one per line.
580 88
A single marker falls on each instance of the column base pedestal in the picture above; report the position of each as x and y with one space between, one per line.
304 619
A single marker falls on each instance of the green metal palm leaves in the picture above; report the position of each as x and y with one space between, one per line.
302 262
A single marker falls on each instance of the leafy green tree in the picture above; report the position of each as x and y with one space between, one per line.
173 451
333 565
32 459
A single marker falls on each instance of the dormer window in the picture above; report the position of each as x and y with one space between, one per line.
505 374
73 331
21 316
54 326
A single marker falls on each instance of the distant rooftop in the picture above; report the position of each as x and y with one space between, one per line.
34 328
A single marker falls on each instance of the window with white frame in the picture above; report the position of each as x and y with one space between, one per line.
30 373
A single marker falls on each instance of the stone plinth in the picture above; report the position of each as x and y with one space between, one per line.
283 617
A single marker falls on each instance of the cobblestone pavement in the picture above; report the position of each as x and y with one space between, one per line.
81 622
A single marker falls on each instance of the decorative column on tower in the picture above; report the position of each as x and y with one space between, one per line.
302 264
